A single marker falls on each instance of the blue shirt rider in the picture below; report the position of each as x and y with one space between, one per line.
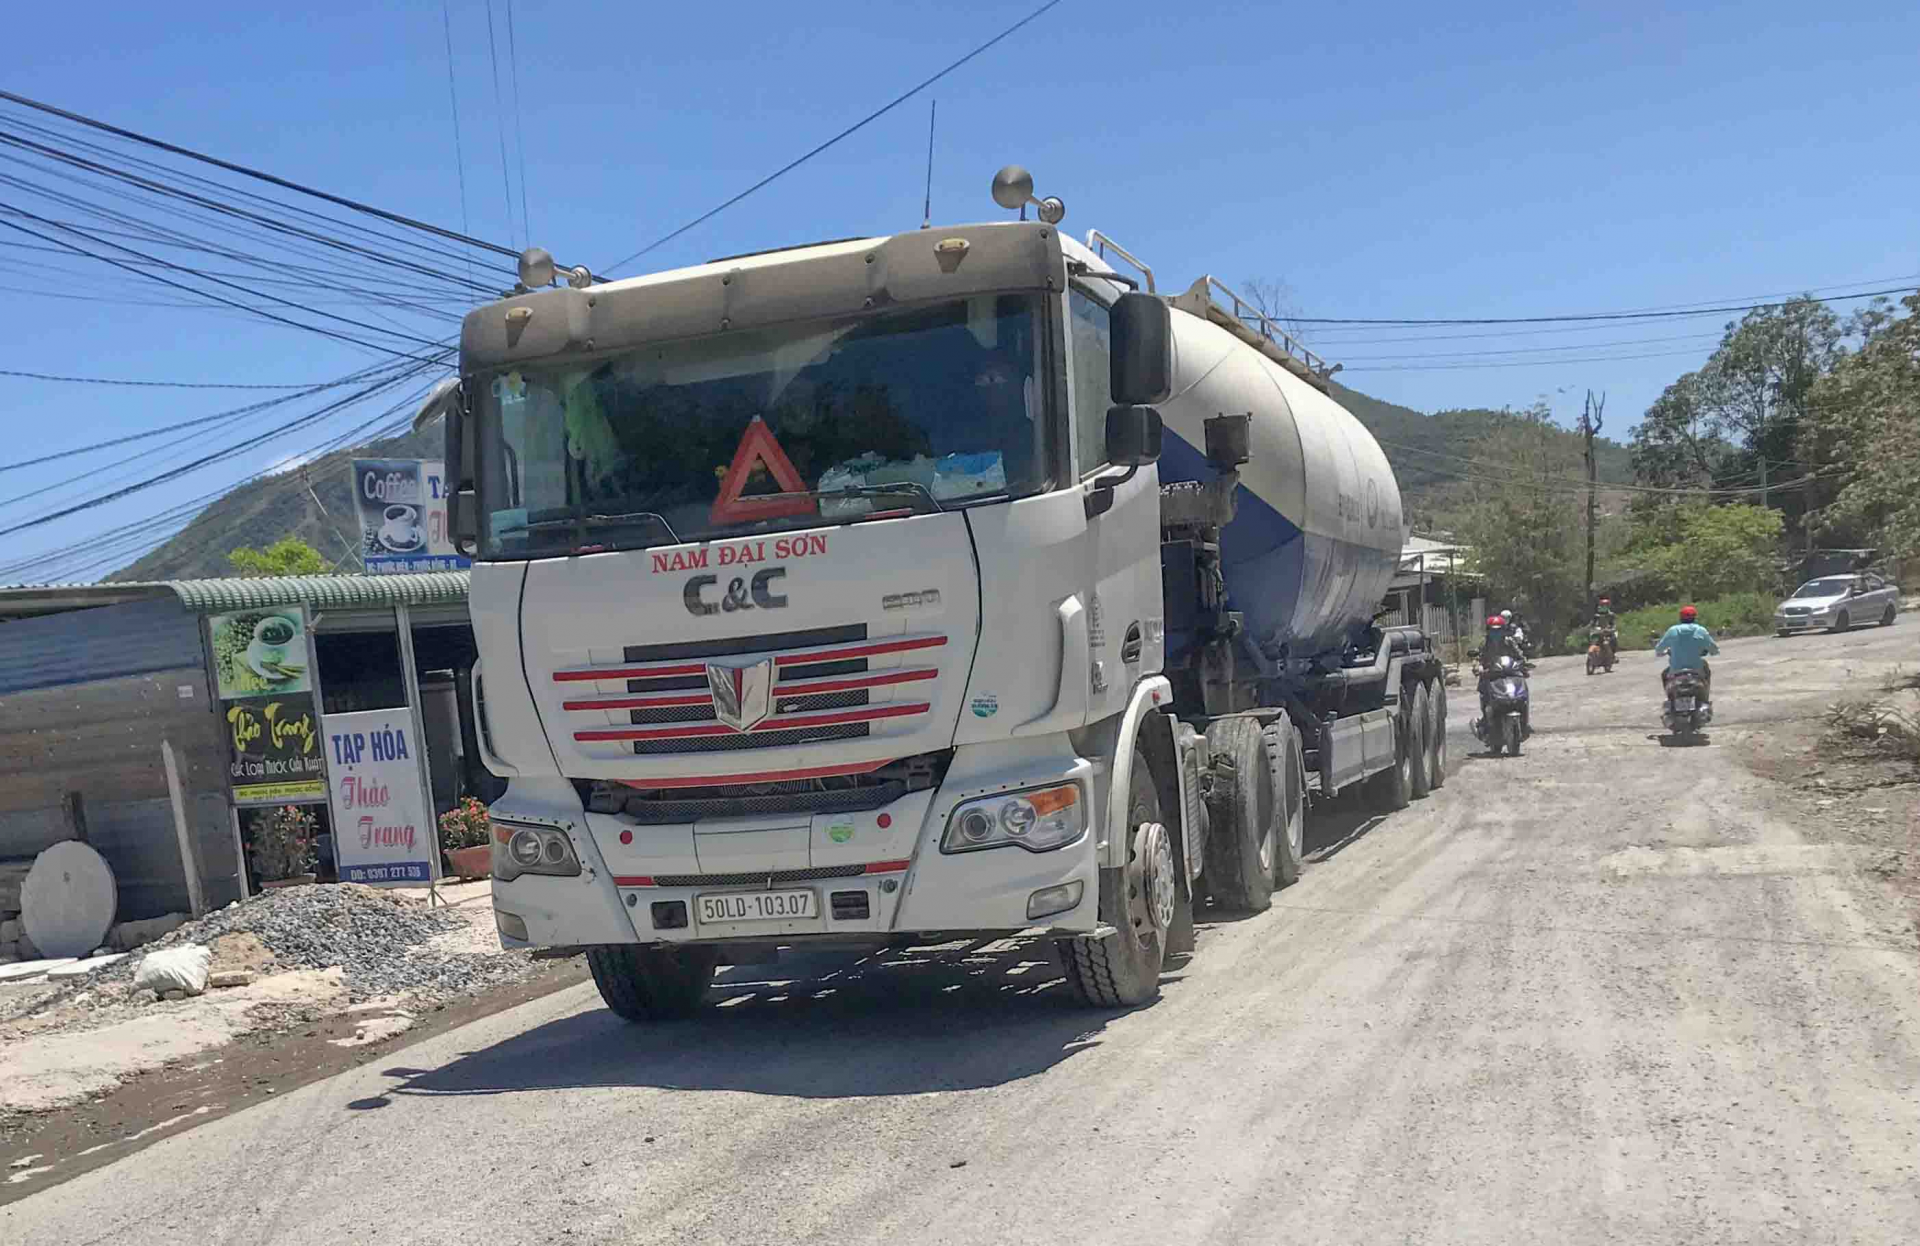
1687 645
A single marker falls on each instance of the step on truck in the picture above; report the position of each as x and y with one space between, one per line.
958 582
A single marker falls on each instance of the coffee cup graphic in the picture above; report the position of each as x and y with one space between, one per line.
401 531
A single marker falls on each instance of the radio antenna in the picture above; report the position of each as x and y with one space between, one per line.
933 111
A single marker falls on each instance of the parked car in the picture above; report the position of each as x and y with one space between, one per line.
1838 602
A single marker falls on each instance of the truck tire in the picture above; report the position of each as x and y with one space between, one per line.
648 983
1246 787
1282 740
1392 789
1144 902
1419 752
1436 733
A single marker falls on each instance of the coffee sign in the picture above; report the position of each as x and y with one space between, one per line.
402 508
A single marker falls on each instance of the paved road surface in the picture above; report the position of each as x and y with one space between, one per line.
1603 993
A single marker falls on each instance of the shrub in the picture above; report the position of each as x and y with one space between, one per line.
465 826
1737 614
281 845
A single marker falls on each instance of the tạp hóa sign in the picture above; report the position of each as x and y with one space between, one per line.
273 750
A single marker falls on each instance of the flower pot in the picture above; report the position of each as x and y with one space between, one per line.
470 863
298 880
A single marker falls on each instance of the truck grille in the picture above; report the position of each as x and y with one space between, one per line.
824 681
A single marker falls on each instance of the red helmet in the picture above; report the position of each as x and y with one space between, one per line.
1688 614
1494 620
1606 601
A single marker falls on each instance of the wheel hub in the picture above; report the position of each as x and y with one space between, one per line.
1154 880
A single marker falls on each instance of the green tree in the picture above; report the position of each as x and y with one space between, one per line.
1865 419
287 556
1522 516
1717 550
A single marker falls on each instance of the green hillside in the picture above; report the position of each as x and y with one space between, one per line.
262 511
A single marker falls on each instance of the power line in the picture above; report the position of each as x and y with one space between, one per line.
259 175
519 135
875 115
453 99
1597 316
1688 308
101 380
499 118
1522 363
1534 350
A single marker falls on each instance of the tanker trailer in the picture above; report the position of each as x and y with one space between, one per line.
856 592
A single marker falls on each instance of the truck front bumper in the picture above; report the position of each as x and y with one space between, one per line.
870 875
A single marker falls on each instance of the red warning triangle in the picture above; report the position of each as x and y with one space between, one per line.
757 445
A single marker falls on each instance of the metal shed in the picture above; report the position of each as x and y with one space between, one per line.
107 713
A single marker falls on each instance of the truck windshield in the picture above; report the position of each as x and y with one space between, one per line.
765 430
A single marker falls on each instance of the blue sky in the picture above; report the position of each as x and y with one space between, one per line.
1394 160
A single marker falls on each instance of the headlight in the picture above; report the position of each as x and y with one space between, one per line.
1039 820
519 849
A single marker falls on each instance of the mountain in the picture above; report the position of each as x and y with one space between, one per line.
1430 452
262 511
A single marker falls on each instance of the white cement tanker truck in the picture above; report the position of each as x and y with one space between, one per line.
949 582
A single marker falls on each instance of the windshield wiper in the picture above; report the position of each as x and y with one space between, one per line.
863 491
599 521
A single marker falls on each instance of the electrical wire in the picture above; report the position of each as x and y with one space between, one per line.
1593 316
453 101
861 124
519 135
101 380
500 118
259 175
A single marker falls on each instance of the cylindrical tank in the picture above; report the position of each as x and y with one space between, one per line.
1316 535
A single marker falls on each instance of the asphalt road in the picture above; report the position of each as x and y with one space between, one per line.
1606 992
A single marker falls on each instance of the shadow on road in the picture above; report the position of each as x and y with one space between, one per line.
822 1025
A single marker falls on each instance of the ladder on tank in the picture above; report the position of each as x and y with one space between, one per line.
1236 315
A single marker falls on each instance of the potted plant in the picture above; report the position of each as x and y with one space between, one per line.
466 837
282 847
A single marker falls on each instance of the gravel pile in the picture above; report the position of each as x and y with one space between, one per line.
384 945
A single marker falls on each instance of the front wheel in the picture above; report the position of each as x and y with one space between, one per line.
650 982
1843 623
1146 904
1886 620
1510 727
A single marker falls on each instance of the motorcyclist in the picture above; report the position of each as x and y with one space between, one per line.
1687 645
1516 630
1607 625
1501 642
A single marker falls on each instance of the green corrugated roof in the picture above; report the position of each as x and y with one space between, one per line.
322 592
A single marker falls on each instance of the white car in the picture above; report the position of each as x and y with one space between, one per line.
1838 602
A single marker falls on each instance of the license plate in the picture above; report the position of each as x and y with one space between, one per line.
1683 703
754 906
1796 622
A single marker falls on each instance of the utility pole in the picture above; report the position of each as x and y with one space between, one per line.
1590 425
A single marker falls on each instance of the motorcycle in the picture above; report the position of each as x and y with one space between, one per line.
1599 651
1503 691
1687 709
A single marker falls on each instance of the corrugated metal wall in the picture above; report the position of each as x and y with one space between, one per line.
85 700
104 643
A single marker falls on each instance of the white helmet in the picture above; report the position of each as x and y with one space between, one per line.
1507 615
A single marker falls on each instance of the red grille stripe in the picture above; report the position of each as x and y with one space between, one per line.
752 776
798 657
793 722
805 687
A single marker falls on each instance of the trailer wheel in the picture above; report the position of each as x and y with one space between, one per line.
1241 851
1419 750
1436 733
1282 741
647 983
1392 789
1144 902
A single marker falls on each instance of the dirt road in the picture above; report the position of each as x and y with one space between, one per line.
1607 992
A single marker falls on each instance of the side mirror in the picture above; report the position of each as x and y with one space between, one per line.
444 396
461 520
1142 368
1133 436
